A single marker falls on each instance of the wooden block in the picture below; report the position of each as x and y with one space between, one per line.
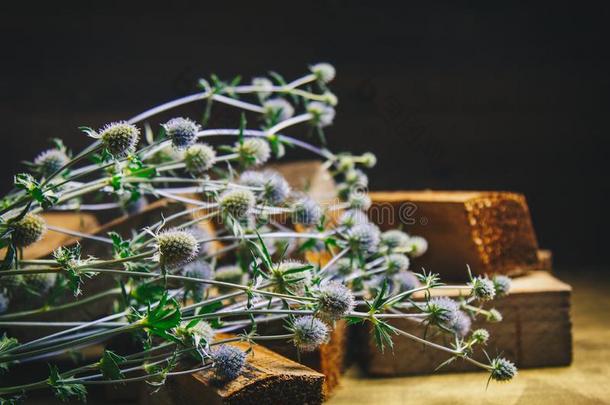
535 332
268 378
490 231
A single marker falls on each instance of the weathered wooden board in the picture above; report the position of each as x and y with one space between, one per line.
268 378
536 331
492 232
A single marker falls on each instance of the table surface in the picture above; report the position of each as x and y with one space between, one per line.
586 381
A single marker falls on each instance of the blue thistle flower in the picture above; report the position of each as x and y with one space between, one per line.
197 269
238 203
461 325
502 285
418 246
120 138
229 362
359 200
182 132
28 230
334 301
483 288
406 280
352 218
204 331
343 266
306 211
397 262
50 161
442 311
502 369
274 188
309 333
363 238
394 239
324 72
279 108
176 247
199 158
480 336
369 160
265 84
322 115
357 179
253 151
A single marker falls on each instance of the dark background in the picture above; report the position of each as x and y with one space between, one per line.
454 95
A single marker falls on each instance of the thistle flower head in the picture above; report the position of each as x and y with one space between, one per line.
120 138
28 230
442 311
50 161
480 336
278 108
176 247
343 266
204 331
352 218
360 201
461 325
494 315
483 288
418 246
363 238
396 263
228 361
237 203
197 269
502 285
253 151
288 279
306 211
330 99
322 115
264 84
4 301
334 301
394 239
309 333
40 283
406 280
252 178
324 72
182 132
229 274
369 160
199 158
502 369
356 178
274 187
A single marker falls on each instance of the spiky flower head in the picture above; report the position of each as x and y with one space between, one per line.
359 200
442 311
357 178
418 246
229 274
483 288
50 161
461 325
182 132
238 203
274 188
4 301
502 285
199 158
324 72
199 269
406 280
502 369
343 266
494 315
363 238
334 301
228 361
369 160
176 247
322 115
396 262
253 151
309 333
120 138
306 211
291 276
278 108
394 239
28 230
330 98
480 336
204 331
252 178
39 283
265 85
351 218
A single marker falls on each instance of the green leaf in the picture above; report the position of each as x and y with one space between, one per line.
109 365
65 390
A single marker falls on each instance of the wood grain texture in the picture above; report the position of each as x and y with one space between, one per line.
490 231
536 331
